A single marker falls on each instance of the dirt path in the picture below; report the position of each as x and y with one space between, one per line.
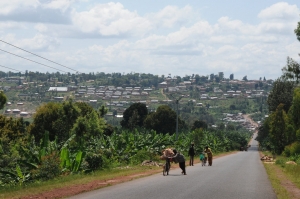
162 92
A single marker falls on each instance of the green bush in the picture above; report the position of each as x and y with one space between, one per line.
292 149
281 162
95 161
140 156
295 158
49 168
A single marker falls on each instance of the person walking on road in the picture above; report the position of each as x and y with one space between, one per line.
209 155
192 154
203 158
180 159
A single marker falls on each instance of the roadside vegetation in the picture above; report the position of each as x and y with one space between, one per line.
72 138
279 133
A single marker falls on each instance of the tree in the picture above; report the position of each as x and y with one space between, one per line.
102 111
3 99
231 77
294 112
88 126
291 70
282 92
230 127
278 129
162 121
297 31
134 116
199 124
212 77
245 78
85 108
56 118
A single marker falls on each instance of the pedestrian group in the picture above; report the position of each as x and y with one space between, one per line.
205 156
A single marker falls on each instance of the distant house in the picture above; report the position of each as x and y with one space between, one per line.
163 85
58 89
59 98
24 114
187 83
17 111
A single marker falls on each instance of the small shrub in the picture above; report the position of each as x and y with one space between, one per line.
280 162
95 161
292 149
140 156
49 168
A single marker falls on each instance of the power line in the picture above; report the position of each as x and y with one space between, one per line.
38 55
10 68
32 60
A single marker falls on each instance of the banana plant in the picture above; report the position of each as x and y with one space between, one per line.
17 175
71 162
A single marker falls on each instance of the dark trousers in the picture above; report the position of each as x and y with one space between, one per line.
191 160
182 166
209 161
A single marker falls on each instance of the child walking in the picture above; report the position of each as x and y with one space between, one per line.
203 159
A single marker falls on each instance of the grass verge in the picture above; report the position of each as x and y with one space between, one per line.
71 180
284 178
280 191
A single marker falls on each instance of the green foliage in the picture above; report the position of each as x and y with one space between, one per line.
281 93
198 124
49 168
297 31
94 160
3 99
140 156
15 177
162 121
294 111
134 116
291 70
278 121
12 128
281 162
292 149
71 162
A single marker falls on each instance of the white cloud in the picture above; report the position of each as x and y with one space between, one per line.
279 18
172 40
39 42
57 4
280 11
41 28
110 19
7 6
171 16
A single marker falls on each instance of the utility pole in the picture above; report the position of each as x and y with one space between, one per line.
177 103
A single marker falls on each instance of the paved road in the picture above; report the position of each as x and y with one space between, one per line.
236 176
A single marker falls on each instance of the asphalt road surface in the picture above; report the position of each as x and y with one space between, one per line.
236 176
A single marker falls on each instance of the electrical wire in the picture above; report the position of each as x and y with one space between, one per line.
33 61
10 68
38 55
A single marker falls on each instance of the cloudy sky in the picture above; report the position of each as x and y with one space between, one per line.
240 37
